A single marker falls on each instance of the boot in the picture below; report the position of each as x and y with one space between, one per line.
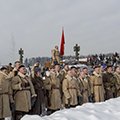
18 117
2 119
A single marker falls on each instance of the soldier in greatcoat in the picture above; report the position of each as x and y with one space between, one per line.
109 82
70 88
87 76
39 107
23 92
84 87
55 92
47 85
117 76
12 74
5 94
64 71
97 88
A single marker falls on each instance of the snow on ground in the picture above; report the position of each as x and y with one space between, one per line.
108 110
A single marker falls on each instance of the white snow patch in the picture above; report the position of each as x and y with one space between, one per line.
108 110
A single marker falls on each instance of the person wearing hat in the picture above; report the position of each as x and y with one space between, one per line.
70 88
5 94
55 96
117 76
85 80
84 88
64 71
39 106
109 82
55 55
12 74
23 92
97 88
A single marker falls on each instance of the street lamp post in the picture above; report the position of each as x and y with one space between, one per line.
77 49
21 52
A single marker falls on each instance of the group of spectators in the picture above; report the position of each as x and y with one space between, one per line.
102 59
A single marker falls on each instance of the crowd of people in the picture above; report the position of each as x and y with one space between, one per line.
42 91
102 59
57 87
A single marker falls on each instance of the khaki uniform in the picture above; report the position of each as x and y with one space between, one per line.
13 73
4 96
85 89
47 83
63 73
89 83
55 56
55 96
117 76
70 90
22 93
97 88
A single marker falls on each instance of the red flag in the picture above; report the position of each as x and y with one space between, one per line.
62 44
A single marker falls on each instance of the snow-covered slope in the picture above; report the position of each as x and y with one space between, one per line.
109 110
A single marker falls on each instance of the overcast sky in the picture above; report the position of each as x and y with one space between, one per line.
36 26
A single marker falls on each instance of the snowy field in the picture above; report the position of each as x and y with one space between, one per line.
109 110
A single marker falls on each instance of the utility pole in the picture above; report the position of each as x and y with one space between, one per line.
12 47
76 49
21 52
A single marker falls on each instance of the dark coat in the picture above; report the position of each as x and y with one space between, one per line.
40 103
109 81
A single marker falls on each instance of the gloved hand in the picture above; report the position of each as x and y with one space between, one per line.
33 100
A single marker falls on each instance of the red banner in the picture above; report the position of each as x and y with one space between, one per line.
62 44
